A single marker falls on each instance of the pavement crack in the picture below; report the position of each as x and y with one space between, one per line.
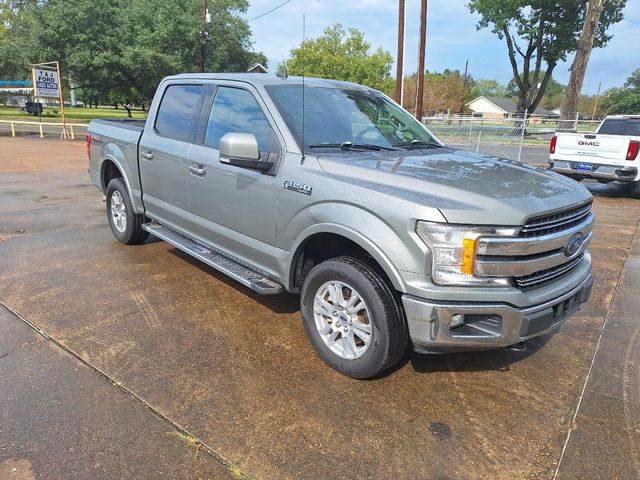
235 471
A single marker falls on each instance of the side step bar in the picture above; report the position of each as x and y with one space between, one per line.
240 273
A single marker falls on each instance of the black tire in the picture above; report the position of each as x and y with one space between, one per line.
133 234
389 337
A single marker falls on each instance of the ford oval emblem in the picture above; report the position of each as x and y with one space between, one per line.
573 245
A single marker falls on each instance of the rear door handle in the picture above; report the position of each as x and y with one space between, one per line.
147 155
197 169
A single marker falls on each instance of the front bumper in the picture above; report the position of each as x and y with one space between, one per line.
599 171
487 325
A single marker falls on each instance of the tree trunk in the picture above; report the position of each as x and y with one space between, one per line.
128 107
569 108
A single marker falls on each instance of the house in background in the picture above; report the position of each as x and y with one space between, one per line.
500 107
257 68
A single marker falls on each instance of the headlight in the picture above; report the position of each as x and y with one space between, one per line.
453 250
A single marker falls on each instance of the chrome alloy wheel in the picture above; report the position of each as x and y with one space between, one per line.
118 211
342 320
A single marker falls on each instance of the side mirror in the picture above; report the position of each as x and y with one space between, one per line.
241 150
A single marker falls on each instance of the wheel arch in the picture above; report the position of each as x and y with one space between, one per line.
336 240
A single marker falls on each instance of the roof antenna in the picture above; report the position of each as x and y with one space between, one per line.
304 22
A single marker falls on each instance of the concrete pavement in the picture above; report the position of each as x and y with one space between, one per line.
62 420
236 371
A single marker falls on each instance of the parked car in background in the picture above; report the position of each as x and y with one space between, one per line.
610 154
331 190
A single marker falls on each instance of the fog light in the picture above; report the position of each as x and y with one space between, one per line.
457 320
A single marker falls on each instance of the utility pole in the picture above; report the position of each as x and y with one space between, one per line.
466 69
203 35
580 61
421 50
400 58
595 104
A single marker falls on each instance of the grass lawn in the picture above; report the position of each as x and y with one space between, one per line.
73 115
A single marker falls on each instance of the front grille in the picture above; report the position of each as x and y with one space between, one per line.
557 222
538 279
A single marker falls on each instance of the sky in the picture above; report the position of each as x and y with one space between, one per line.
452 37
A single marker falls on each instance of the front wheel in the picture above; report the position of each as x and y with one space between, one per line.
125 224
353 318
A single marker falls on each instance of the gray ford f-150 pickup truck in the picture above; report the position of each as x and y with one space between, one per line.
331 190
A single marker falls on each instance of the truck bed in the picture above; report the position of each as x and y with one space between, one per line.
128 123
120 137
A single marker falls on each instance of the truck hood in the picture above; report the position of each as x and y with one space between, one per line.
465 187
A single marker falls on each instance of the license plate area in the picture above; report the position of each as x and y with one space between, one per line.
585 167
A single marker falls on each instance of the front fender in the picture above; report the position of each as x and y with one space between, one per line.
394 249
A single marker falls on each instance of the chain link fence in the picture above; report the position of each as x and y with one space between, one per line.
523 139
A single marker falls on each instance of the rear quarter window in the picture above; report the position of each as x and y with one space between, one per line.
177 112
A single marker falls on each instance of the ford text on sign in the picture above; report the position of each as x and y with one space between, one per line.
46 83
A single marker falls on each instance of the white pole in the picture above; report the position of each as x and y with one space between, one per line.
524 126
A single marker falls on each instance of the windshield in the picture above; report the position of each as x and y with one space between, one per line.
339 117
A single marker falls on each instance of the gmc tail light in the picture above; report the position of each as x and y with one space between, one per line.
632 151
552 145
88 139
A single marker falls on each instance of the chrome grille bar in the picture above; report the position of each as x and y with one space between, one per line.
546 276
502 246
517 266
555 222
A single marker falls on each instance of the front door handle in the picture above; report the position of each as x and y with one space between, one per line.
197 169
147 155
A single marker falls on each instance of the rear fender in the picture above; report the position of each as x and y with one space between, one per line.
112 152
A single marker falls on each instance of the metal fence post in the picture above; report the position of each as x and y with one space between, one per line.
479 136
524 127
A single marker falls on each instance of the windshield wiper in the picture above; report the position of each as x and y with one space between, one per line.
418 144
351 146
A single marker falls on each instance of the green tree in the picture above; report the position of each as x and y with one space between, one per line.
483 87
123 48
343 54
17 22
445 92
539 34
625 100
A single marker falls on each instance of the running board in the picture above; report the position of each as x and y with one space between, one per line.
240 273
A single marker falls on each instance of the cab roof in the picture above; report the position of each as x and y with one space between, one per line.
264 79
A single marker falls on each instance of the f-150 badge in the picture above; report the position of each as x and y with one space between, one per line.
297 187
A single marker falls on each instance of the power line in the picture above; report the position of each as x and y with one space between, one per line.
269 11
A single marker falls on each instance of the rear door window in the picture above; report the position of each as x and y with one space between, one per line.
179 111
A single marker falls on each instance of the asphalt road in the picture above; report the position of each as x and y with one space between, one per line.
235 371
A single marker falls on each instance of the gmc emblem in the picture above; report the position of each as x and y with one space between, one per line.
588 144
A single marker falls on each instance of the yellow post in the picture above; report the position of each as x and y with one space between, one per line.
41 134
65 134
13 130
71 130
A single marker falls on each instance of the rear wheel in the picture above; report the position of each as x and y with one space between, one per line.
125 224
353 318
